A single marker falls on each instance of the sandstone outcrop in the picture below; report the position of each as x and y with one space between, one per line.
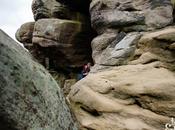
119 17
50 41
131 85
64 48
25 33
139 96
54 9
156 46
30 97
136 96
119 13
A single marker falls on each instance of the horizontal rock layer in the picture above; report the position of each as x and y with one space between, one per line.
47 39
64 48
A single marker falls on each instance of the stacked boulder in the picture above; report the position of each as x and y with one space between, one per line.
131 86
49 42
116 20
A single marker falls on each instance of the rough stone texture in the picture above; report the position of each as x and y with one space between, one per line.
50 44
128 97
119 13
54 9
114 19
30 97
139 96
117 53
68 84
156 46
64 48
25 33
51 32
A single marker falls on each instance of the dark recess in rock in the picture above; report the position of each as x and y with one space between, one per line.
78 5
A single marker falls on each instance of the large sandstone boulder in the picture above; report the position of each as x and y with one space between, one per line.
54 9
61 36
30 97
64 42
132 97
25 33
139 96
119 13
115 19
48 8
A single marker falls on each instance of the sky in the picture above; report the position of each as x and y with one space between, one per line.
14 13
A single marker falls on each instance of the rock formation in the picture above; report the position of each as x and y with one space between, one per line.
30 97
137 96
63 48
131 84
115 19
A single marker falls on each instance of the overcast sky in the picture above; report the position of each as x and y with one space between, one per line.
13 13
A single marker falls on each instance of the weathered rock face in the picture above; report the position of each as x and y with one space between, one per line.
25 33
115 53
51 32
115 18
52 8
64 48
119 13
50 41
156 46
133 97
137 95
30 97
128 97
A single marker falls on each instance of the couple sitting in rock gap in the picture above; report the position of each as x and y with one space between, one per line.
85 71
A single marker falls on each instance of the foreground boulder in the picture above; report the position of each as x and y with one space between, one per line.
128 97
136 96
30 97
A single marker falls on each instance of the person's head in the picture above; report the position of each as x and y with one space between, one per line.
89 64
